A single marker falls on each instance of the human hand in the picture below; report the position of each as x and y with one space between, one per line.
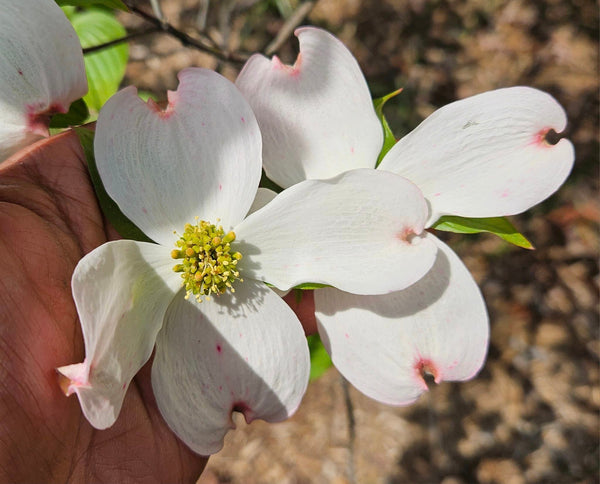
49 218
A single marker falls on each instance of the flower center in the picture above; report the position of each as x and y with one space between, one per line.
208 264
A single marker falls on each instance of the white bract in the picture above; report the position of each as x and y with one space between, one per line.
188 176
41 70
484 156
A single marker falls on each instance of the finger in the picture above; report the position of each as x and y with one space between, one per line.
303 304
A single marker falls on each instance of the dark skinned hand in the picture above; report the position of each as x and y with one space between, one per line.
49 219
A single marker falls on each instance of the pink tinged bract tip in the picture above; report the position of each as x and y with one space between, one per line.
540 138
168 110
424 367
77 378
39 120
244 409
408 236
291 70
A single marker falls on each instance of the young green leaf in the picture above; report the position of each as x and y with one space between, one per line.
319 359
118 4
499 226
109 208
105 68
389 139
77 114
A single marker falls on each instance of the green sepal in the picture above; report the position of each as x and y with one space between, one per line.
310 285
305 286
110 209
499 226
266 182
389 139
105 68
118 4
77 114
319 358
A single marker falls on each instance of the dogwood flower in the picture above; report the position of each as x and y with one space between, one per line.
41 70
484 156
187 177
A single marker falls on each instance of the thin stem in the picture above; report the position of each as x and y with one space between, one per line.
225 12
295 19
155 4
351 429
202 14
126 38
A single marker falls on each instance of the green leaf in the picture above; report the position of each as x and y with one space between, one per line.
105 68
109 208
118 4
145 95
389 139
319 359
77 114
499 226
68 11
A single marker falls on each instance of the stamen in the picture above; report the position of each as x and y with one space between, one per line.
208 265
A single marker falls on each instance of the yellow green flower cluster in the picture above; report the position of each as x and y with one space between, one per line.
208 265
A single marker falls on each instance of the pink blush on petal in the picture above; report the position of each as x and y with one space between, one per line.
293 71
424 367
244 409
168 111
408 236
78 377
540 140
38 121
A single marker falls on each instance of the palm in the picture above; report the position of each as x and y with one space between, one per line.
49 219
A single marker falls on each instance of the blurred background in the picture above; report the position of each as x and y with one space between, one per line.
532 414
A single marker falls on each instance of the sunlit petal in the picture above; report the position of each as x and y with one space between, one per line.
384 344
486 155
317 116
244 352
357 232
200 156
122 290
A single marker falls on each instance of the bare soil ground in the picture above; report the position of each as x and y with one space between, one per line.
532 414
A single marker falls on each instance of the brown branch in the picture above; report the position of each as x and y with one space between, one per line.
208 45
126 38
186 39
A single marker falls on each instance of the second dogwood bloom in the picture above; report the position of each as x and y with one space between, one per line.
41 70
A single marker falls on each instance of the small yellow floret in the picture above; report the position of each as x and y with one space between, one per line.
208 265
